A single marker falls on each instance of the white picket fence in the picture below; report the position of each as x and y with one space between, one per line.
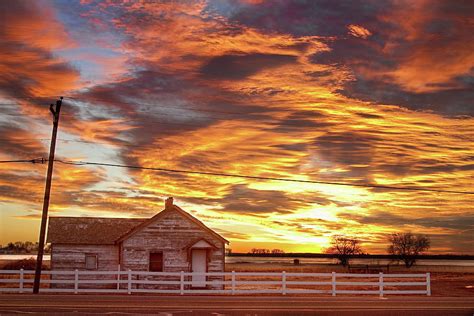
21 281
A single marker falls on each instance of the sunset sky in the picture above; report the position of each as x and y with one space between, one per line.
360 92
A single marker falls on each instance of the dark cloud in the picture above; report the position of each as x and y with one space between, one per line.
241 199
27 185
298 147
240 66
459 241
452 102
356 52
143 203
370 116
346 148
456 243
244 200
301 18
328 227
458 222
302 120
28 65
291 125
20 143
319 74
442 26
170 98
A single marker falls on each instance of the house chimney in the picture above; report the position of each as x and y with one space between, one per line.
169 202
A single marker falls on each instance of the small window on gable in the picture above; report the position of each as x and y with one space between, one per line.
91 262
156 262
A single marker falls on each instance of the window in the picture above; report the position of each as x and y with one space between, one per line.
156 262
91 262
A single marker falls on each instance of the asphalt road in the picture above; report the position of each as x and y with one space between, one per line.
53 304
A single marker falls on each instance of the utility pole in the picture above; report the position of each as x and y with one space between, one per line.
47 191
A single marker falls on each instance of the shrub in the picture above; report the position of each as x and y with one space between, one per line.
25 264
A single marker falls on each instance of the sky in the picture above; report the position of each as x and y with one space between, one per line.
358 92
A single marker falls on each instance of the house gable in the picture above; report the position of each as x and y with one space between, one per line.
170 232
170 209
202 243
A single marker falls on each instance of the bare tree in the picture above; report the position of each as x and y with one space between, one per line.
259 251
344 247
407 246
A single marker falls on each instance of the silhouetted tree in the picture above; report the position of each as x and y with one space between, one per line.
277 251
407 246
23 247
344 247
259 251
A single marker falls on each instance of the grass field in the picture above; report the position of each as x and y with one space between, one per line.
445 280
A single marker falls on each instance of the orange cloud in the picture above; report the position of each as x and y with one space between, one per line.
30 33
205 91
359 31
438 45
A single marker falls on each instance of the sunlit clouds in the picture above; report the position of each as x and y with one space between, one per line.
362 93
358 31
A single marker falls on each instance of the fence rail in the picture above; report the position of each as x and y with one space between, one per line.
20 281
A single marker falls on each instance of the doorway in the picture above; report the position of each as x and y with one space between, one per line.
199 264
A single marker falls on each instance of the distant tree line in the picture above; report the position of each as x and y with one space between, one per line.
265 251
21 247
404 246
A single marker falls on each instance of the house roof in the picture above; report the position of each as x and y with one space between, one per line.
107 231
89 230
165 211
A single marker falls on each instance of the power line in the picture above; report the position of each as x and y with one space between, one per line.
221 174
36 160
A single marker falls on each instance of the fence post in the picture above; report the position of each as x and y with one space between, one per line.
233 282
118 277
283 282
21 280
381 284
428 284
129 281
181 283
333 283
76 281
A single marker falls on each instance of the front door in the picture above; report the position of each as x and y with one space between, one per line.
199 265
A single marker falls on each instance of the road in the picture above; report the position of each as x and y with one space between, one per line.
50 304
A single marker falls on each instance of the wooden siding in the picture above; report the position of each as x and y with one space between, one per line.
170 234
71 257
